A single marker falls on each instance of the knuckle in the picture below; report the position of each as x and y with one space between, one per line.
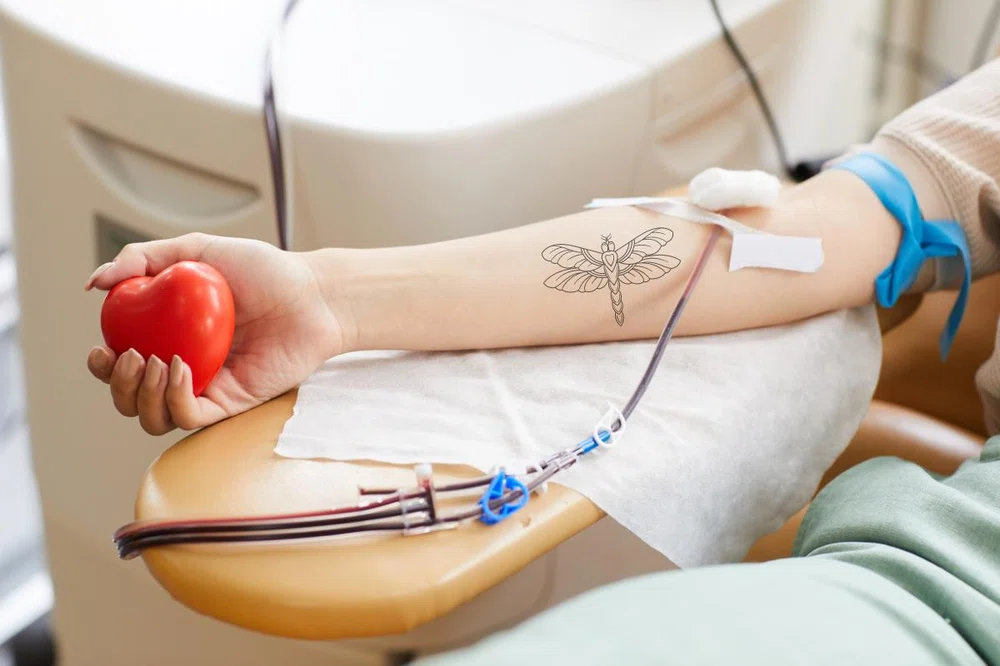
185 421
143 401
130 249
195 239
180 413
97 371
147 388
153 422
150 401
193 244
118 387
124 407
151 427
124 398
123 385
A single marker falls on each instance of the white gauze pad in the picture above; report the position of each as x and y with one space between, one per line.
719 189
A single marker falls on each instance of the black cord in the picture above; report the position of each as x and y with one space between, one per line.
980 55
795 172
272 129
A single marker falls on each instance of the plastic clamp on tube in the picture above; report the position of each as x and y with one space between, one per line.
606 425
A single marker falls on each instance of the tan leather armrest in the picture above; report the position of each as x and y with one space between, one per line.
913 373
886 430
327 589
890 318
892 430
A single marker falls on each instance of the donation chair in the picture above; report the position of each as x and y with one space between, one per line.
398 596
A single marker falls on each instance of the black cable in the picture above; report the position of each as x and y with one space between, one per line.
790 170
980 54
272 129
132 548
270 526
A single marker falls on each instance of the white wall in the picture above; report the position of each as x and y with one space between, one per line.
952 31
840 91
827 101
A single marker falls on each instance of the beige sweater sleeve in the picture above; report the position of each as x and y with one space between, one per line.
949 148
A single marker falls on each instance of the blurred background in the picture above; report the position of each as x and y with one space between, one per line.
845 66
25 587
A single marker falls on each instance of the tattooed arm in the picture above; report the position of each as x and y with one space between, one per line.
605 274
610 274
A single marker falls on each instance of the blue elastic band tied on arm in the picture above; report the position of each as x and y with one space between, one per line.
922 239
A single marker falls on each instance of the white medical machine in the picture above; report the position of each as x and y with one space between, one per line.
408 122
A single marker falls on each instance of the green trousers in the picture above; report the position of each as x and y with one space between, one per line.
893 565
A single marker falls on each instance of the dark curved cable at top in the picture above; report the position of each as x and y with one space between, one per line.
273 129
765 108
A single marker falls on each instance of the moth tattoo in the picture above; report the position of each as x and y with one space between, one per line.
635 262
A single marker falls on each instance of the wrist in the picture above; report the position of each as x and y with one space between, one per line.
376 295
332 277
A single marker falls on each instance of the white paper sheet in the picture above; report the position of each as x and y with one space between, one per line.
731 439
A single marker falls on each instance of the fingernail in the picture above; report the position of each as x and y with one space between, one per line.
101 360
155 371
133 361
176 371
96 274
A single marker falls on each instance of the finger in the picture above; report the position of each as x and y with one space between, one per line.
188 411
148 258
93 276
181 401
125 380
101 363
151 400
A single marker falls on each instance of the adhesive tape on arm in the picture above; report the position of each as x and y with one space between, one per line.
751 248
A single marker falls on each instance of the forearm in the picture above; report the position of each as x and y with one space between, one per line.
490 291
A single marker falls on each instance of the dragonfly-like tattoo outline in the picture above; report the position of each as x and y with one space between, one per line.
635 262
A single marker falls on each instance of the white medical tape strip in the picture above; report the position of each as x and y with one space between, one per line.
803 255
752 248
689 211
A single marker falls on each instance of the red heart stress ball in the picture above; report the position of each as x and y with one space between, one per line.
186 310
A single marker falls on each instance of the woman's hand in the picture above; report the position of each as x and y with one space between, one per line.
284 330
